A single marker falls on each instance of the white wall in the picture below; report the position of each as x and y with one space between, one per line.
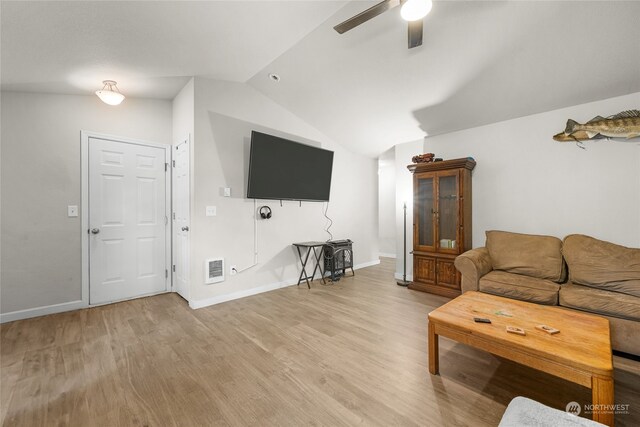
225 114
41 256
387 202
526 182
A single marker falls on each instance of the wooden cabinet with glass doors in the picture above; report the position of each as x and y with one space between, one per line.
441 223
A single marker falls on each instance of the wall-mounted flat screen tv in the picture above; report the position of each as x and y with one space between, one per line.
280 169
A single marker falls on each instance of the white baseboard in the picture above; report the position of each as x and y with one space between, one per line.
41 311
241 294
386 255
260 289
366 264
76 305
398 276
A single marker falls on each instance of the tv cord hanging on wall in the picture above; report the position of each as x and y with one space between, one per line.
256 213
330 222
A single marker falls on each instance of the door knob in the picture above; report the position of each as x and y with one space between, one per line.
186 228
95 230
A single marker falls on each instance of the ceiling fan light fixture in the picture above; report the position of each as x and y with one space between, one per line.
412 10
109 94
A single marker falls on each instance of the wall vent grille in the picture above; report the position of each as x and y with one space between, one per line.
214 270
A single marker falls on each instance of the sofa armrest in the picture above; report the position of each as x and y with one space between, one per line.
473 265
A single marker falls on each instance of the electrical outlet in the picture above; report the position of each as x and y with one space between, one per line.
233 270
210 211
227 192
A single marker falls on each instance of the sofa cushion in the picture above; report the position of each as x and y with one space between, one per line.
520 287
523 412
603 265
599 301
526 254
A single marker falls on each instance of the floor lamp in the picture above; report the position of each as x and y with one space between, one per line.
404 282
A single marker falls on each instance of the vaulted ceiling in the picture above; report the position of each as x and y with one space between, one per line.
480 62
151 48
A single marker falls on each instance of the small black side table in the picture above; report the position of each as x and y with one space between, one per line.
307 248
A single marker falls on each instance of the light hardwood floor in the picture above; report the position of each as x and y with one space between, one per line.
350 353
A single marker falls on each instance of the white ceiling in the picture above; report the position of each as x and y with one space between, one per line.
481 62
150 48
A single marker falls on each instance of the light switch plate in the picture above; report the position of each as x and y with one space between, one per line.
227 192
72 211
210 211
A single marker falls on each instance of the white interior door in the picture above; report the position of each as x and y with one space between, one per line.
181 219
127 220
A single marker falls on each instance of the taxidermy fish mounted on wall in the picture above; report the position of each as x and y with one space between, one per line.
622 125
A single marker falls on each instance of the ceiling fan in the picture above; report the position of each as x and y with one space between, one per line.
412 11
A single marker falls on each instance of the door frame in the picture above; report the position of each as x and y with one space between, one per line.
84 209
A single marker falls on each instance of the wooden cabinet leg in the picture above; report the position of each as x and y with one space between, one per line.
434 363
602 395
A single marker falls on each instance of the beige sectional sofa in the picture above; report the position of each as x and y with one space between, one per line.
579 273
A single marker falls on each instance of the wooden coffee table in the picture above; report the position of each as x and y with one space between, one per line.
580 353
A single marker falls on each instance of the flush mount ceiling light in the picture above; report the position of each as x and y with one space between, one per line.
109 94
274 77
413 10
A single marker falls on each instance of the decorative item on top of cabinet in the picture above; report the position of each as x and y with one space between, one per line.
441 223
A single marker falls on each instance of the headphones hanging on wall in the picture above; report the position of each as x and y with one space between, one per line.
267 212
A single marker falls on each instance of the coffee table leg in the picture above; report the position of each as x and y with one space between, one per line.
602 394
434 363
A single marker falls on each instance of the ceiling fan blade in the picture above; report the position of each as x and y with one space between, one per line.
415 33
362 17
